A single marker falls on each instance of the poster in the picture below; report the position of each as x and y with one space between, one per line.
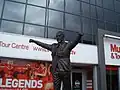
25 75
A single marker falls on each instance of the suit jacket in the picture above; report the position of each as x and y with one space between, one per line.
60 57
60 54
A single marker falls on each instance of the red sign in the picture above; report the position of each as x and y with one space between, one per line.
25 75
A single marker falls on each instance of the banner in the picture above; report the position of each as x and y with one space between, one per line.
112 51
21 48
25 75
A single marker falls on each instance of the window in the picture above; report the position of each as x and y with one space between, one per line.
77 77
111 27
93 11
110 16
86 0
21 1
100 13
118 27
73 22
117 6
94 26
57 4
37 2
72 6
70 35
92 2
35 15
87 38
108 4
55 19
85 9
52 32
1 5
86 26
11 27
118 18
14 11
94 39
99 2
33 30
101 25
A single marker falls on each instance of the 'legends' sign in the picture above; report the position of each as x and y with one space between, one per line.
21 83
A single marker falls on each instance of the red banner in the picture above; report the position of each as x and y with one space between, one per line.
25 75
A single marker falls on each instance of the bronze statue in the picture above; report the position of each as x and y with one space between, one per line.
61 66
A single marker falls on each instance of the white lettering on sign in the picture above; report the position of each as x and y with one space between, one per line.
8 83
15 83
21 83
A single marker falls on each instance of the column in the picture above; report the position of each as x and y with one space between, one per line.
95 84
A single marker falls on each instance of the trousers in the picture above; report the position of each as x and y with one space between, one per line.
64 77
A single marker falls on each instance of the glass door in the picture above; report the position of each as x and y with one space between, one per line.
77 81
112 78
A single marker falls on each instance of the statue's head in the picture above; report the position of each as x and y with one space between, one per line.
60 36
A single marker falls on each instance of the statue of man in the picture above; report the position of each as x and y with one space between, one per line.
61 66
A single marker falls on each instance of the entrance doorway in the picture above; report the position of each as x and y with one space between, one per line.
78 80
112 78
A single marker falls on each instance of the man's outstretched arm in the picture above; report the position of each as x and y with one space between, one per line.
44 45
75 42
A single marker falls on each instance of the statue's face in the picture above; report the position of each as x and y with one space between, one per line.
60 37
